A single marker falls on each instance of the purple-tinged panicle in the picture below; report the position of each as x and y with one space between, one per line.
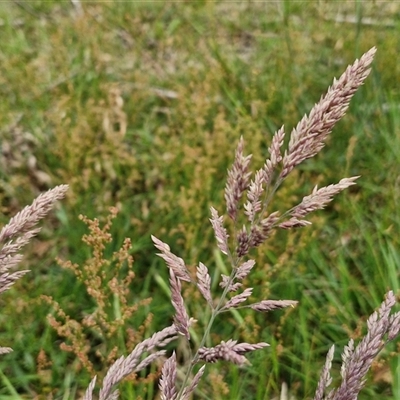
187 392
149 359
89 390
126 365
20 230
238 299
244 269
174 262
254 204
8 253
181 318
204 283
5 350
275 156
257 236
114 395
168 378
229 351
8 279
268 223
263 178
275 148
268 305
26 219
346 357
294 223
358 360
260 233
325 378
319 198
238 180
227 281
219 230
394 326
308 138
243 242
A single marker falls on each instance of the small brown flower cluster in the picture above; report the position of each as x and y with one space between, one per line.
108 281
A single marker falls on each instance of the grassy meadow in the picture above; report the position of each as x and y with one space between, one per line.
139 106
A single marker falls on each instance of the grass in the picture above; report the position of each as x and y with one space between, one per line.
193 78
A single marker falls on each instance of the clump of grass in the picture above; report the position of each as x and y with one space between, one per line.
252 223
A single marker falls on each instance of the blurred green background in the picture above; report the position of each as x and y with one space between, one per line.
140 105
